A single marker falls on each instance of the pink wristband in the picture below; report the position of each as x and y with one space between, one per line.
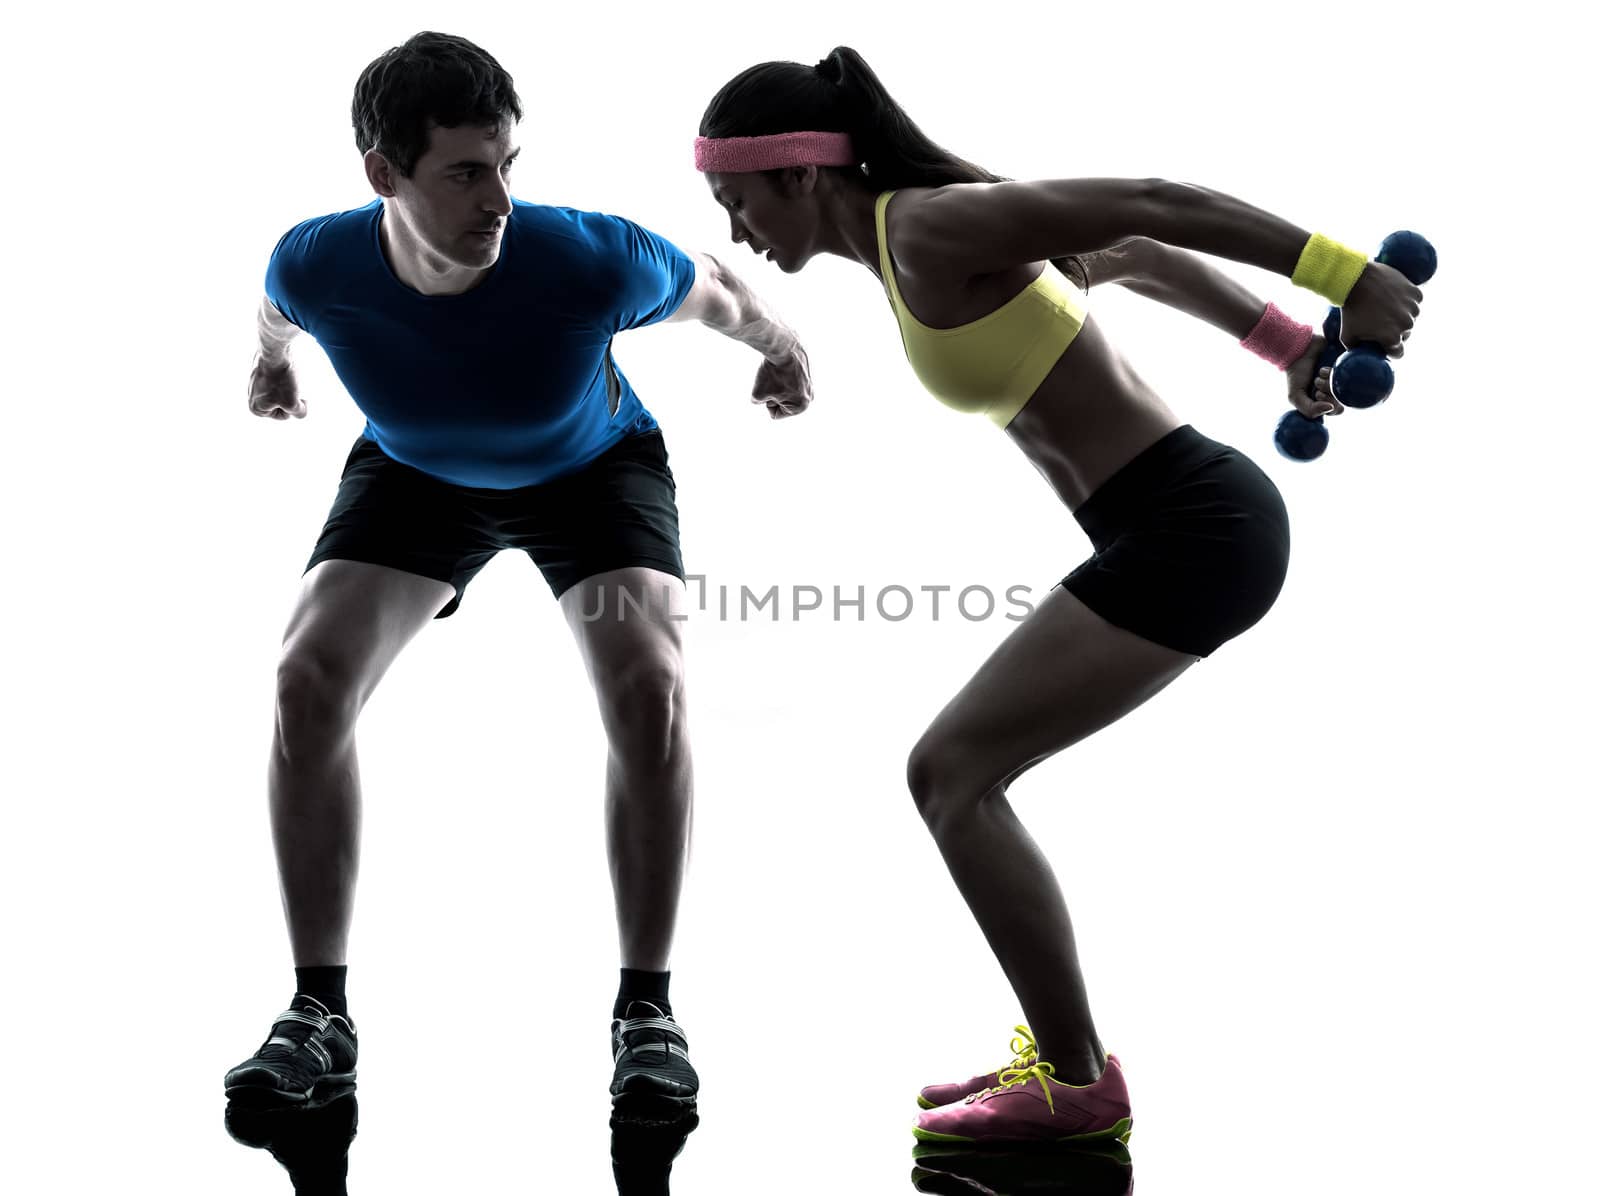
1278 338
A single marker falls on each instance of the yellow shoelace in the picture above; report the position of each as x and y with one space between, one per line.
1041 1071
1025 1048
1024 1067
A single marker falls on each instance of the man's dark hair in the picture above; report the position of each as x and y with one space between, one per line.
434 79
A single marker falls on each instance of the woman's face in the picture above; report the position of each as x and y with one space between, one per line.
760 215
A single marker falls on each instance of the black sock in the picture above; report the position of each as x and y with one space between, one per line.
326 984
642 986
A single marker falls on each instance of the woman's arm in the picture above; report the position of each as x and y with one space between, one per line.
1192 285
1175 277
983 228
971 229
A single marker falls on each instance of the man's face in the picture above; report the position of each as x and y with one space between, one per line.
459 195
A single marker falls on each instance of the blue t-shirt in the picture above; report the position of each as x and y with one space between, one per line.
508 384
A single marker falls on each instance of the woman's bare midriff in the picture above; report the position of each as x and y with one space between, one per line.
1089 417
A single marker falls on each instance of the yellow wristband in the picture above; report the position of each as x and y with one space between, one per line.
1328 268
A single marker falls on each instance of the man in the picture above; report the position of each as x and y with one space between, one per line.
473 330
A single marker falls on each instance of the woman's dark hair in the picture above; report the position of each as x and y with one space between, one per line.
841 94
434 78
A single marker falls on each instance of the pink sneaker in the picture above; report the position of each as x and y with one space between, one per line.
1030 1105
1023 1047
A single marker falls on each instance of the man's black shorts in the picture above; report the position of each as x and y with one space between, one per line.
620 510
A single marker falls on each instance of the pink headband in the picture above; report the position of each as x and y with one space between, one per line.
738 155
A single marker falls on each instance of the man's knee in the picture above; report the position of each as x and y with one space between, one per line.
317 699
641 702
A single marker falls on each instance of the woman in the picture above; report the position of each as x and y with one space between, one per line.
1191 539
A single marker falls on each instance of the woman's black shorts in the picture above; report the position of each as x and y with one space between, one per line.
1191 544
618 511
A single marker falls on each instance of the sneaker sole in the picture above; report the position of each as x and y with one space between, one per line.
653 1109
260 1095
641 1083
933 1155
1117 1133
635 1113
645 1091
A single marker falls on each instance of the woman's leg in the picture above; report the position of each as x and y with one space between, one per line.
1062 675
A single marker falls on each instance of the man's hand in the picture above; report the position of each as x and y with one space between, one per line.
784 384
1380 310
1300 375
273 393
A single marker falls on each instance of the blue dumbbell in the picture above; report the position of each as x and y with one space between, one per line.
1299 437
1362 377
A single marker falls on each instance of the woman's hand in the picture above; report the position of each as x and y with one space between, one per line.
1312 398
1380 310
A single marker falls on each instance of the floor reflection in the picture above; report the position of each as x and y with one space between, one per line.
957 1171
311 1142
644 1143
313 1145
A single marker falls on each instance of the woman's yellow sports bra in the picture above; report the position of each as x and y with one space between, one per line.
992 365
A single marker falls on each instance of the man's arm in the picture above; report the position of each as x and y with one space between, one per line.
275 331
720 299
273 391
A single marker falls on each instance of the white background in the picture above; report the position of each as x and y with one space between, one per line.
1330 888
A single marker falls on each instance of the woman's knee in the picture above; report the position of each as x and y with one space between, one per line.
940 775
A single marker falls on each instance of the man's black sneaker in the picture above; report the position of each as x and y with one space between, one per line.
308 1049
652 1059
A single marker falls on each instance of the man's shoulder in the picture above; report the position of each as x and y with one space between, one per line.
333 231
597 229
318 254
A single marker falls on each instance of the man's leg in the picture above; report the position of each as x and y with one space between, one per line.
629 631
628 624
350 623
348 626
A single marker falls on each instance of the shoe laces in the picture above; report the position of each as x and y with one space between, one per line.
300 1017
1024 1047
1013 1076
666 1027
623 1026
1025 1053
